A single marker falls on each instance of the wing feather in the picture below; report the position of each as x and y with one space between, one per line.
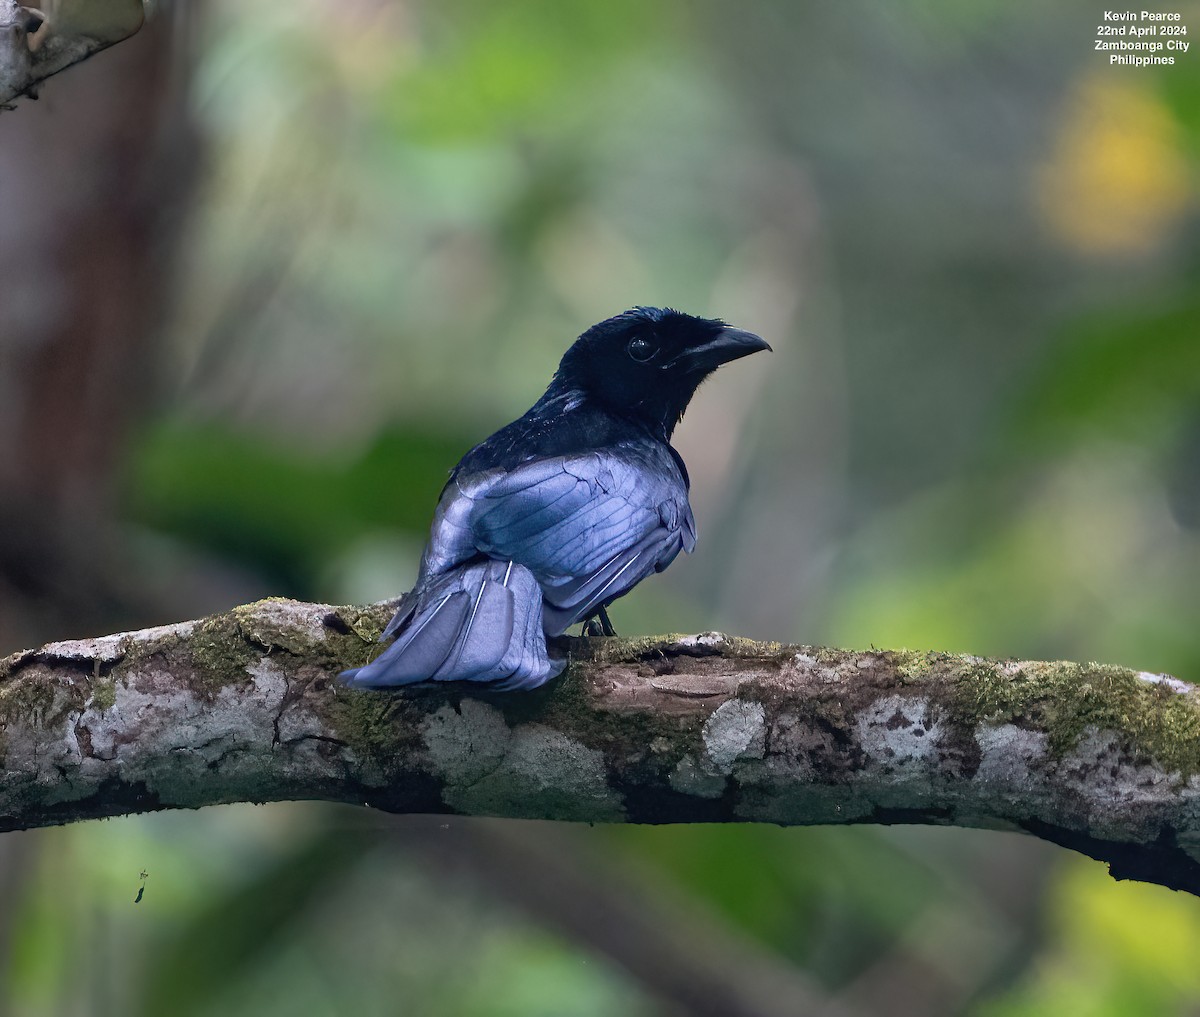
589 527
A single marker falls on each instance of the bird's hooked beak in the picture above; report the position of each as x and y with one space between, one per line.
728 344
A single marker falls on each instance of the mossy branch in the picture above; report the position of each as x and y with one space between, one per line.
244 706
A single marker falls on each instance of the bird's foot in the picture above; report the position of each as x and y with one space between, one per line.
599 625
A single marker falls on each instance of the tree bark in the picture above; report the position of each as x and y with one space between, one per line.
245 706
38 42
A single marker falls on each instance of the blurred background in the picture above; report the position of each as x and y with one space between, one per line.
270 269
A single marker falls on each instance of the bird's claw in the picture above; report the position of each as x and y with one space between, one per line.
599 625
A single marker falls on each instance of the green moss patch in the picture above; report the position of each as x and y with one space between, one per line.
1064 699
220 652
104 694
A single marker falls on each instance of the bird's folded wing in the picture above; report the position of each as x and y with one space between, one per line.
589 526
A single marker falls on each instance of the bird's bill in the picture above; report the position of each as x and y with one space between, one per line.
728 344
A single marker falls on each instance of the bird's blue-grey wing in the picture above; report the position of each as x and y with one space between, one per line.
517 555
589 526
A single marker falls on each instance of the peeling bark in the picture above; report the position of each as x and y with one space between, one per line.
245 706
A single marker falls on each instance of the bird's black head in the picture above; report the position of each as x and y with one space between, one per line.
648 362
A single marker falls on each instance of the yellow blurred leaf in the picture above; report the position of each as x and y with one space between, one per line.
1116 180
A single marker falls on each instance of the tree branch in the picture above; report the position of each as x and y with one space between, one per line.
244 706
36 43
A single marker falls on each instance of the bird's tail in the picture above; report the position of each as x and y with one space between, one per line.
481 622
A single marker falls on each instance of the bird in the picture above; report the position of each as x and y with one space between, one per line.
544 524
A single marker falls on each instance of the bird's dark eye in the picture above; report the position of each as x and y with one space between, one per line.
641 350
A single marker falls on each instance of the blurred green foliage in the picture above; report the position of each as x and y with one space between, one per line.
285 512
1130 374
492 70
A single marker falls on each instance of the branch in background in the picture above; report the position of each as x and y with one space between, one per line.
86 280
244 706
37 42
692 963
